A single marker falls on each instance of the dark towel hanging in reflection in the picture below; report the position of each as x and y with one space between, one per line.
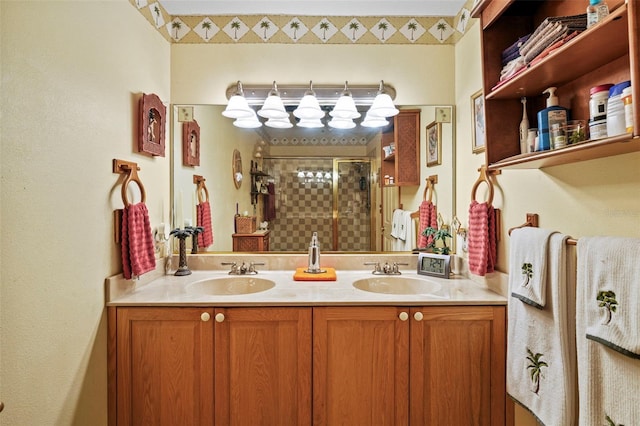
270 202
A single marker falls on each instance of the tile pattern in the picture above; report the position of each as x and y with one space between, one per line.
305 205
287 29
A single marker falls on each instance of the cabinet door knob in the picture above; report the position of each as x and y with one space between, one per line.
418 316
219 317
205 316
403 316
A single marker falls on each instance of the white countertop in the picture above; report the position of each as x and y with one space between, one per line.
170 290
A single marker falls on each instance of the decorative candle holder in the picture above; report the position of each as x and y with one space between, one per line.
182 235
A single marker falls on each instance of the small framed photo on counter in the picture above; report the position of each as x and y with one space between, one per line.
435 265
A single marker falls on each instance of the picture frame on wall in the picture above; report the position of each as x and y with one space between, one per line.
434 144
153 123
190 143
477 122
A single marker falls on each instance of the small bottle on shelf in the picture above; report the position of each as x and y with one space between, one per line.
596 12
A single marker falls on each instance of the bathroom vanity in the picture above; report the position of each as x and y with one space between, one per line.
187 350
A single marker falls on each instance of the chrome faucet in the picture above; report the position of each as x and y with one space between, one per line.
314 255
386 268
243 269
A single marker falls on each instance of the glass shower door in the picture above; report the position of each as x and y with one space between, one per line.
352 205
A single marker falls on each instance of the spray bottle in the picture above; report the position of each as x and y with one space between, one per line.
552 115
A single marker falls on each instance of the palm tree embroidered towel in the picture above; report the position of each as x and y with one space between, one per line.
541 359
607 336
528 265
396 223
138 254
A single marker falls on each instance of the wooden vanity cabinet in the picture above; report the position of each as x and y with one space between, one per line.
357 365
263 366
404 164
164 370
416 366
605 53
160 366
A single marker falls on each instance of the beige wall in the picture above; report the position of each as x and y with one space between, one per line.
71 76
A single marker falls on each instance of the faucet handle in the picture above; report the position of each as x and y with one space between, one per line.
234 267
252 267
376 266
395 268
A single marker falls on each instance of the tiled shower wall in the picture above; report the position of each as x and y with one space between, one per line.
305 205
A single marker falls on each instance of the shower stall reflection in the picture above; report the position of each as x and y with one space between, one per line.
330 196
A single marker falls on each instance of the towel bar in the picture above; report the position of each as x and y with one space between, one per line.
532 220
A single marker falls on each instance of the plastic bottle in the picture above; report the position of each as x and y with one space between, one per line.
596 12
627 100
552 115
524 126
615 110
599 96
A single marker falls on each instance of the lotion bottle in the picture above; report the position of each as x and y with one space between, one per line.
552 114
524 126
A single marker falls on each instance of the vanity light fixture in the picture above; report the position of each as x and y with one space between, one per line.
312 102
250 122
345 106
341 123
309 107
238 107
273 106
372 120
310 123
279 123
383 104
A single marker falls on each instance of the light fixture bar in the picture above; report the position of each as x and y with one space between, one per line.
326 94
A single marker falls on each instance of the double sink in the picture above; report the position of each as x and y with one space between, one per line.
247 284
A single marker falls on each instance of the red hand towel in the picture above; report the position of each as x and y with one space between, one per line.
138 254
270 202
203 219
481 238
428 218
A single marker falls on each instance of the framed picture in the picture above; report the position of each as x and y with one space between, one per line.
477 122
152 125
190 143
434 144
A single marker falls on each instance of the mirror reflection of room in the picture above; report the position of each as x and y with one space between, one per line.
331 181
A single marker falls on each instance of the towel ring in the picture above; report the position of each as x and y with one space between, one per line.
200 188
426 191
484 177
131 169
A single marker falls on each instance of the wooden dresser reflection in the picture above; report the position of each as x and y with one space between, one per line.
256 241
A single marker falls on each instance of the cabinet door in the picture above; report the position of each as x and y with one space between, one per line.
458 366
263 366
164 366
360 366
407 136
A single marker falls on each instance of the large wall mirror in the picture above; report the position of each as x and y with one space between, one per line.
303 180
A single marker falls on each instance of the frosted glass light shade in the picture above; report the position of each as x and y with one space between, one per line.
383 106
372 120
345 108
238 107
250 122
342 123
310 123
309 107
279 123
273 108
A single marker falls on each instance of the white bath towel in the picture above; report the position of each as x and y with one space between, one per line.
396 221
406 239
608 330
528 270
541 359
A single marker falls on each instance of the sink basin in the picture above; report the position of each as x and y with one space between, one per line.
400 285
230 285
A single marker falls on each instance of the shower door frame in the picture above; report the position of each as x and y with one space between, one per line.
336 164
